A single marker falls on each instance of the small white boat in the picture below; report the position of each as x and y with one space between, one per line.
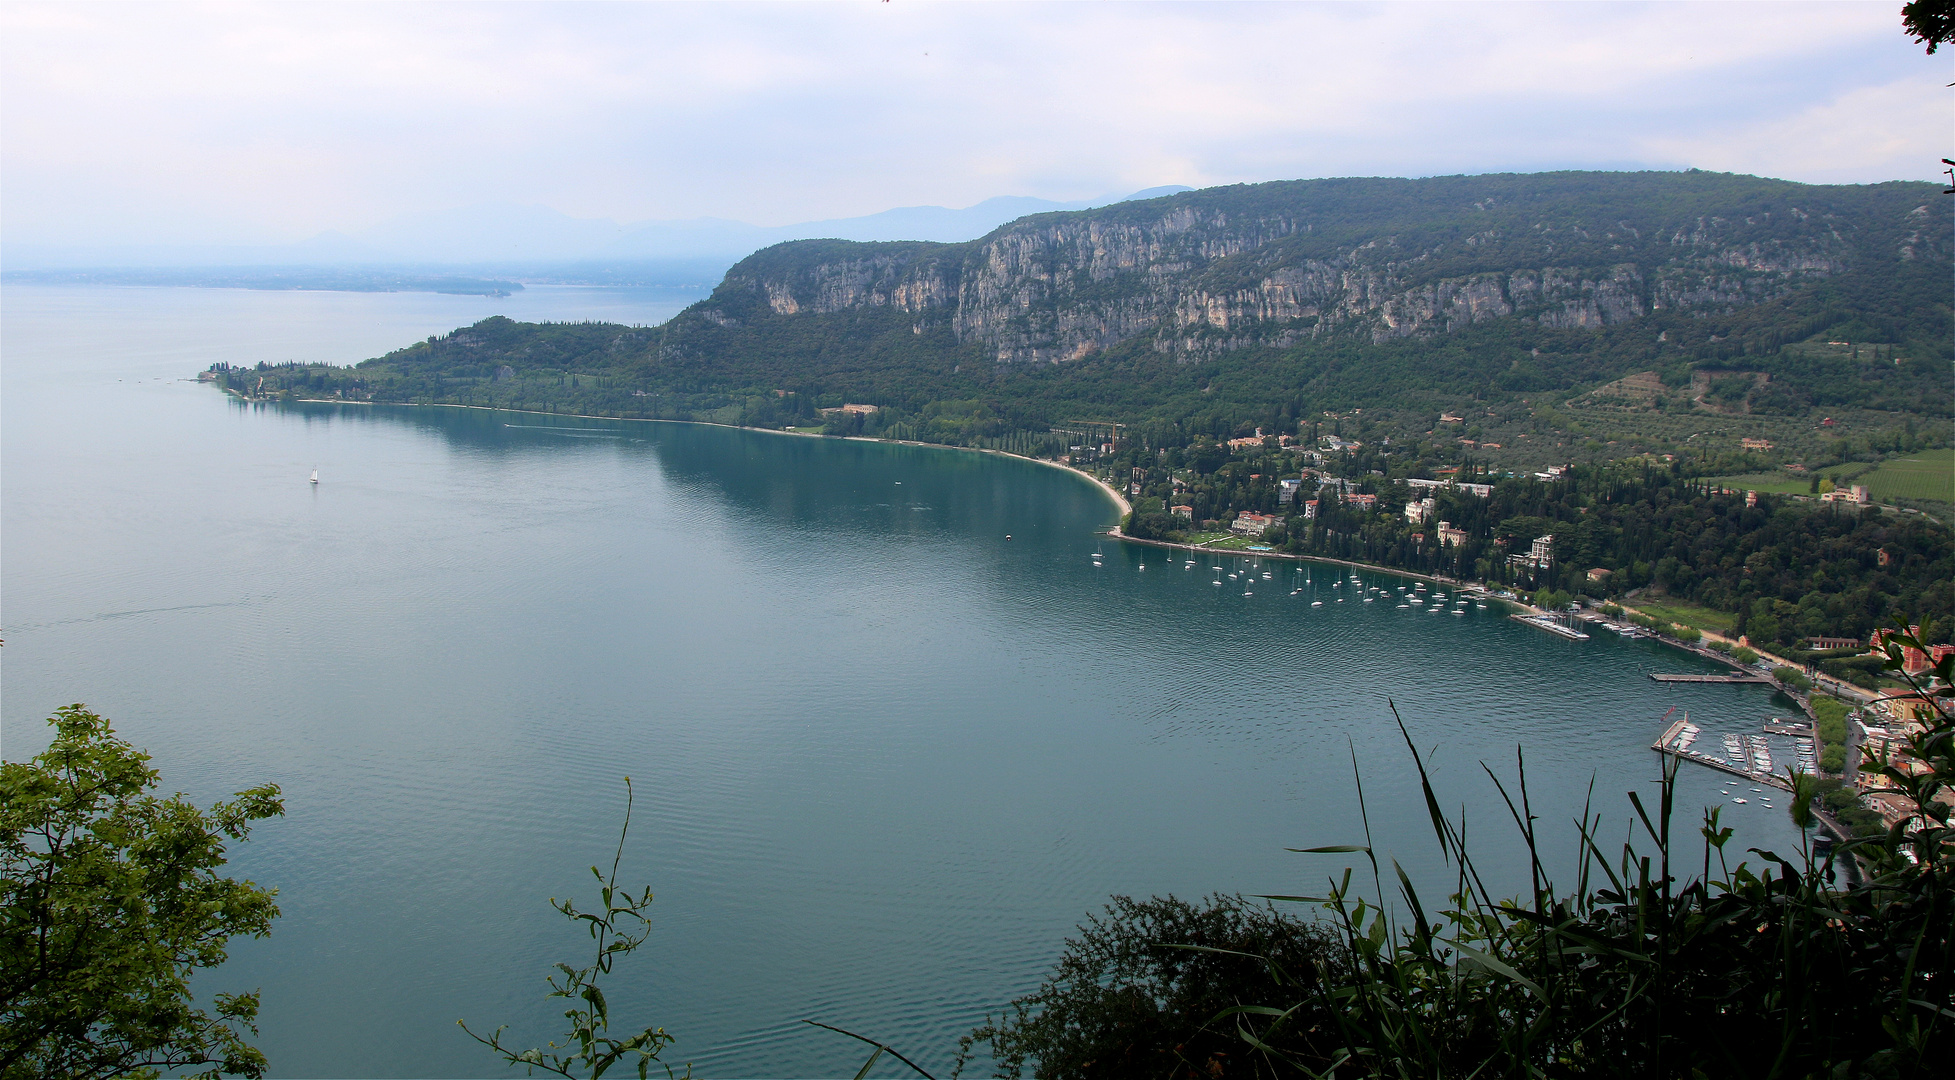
1316 603
1738 801
315 476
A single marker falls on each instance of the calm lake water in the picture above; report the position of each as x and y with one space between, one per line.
886 757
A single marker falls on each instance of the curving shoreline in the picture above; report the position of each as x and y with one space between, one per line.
1119 501
1436 579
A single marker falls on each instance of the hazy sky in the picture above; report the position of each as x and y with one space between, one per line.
248 124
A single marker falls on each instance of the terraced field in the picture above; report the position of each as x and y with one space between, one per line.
1926 475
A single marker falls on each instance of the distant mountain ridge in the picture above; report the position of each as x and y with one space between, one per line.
1276 265
1493 310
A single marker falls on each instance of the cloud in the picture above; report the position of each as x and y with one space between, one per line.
257 123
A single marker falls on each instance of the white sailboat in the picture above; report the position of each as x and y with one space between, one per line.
315 476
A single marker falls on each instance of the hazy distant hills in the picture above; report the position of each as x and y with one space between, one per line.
537 242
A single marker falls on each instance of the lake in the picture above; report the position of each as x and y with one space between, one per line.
893 732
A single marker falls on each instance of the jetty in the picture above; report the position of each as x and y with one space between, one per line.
1673 743
1545 622
1710 678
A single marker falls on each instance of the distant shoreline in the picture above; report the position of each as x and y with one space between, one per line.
1105 488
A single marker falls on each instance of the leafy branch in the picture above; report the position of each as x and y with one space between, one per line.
618 927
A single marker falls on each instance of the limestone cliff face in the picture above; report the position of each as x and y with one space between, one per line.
1275 264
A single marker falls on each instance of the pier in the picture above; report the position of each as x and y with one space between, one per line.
1722 765
1667 744
1711 678
1545 623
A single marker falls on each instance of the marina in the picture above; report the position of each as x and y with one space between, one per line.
1746 757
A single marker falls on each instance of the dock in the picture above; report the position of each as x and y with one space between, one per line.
1545 623
1722 765
1670 743
1711 678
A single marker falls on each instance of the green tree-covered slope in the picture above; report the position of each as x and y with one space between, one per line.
1216 311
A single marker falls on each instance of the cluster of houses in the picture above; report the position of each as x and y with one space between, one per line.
1898 716
1417 511
1887 725
1913 661
1255 442
1480 490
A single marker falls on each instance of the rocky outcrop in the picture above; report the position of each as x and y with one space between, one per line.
1271 265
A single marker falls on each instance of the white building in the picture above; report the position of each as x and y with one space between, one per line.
1539 557
1855 494
1482 490
1252 524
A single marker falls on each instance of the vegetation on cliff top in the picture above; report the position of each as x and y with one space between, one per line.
1726 289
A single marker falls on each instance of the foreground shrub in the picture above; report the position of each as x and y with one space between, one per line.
1145 989
112 900
1663 961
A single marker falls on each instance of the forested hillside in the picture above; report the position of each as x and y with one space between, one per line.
1654 311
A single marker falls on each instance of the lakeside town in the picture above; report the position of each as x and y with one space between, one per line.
1850 714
